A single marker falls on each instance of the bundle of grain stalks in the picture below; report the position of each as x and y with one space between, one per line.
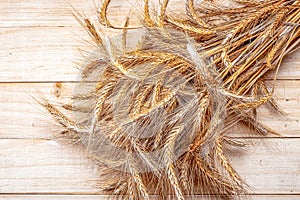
158 115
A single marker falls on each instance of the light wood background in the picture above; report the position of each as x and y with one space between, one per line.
39 46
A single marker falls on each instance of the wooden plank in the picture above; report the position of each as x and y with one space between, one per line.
44 166
287 95
40 54
26 13
30 13
49 54
100 197
290 68
41 13
37 165
22 117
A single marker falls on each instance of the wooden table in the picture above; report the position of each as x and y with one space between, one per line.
39 46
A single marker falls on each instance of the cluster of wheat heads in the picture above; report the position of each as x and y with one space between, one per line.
157 115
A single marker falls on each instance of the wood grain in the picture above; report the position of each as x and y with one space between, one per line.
106 197
40 42
22 117
29 166
32 13
43 54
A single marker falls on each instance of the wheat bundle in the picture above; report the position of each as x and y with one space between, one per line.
157 115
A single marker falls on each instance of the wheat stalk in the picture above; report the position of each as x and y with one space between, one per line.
168 104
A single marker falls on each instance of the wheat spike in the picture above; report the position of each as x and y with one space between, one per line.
158 115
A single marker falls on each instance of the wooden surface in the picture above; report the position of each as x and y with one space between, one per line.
39 46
